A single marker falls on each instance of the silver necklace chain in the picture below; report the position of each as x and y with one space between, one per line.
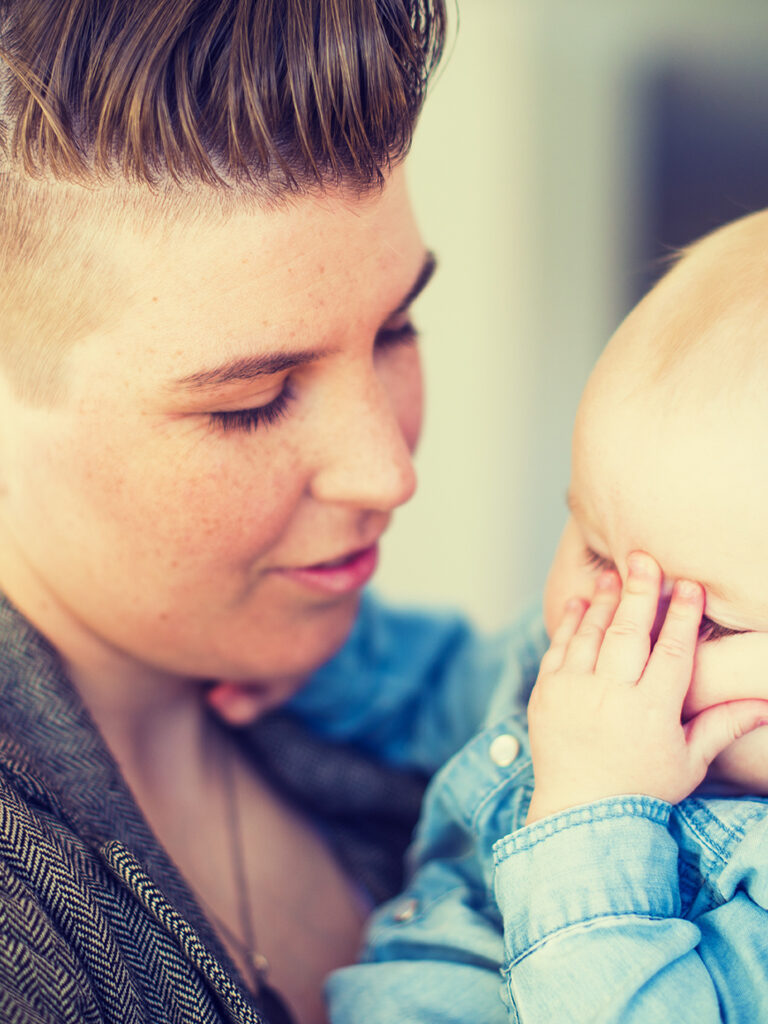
256 964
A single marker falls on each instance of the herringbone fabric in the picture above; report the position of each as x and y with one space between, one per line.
96 924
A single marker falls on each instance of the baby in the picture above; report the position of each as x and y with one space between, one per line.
607 860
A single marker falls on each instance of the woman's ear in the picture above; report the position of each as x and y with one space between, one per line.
8 429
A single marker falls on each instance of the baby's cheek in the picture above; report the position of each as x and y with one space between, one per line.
552 610
743 763
563 577
733 668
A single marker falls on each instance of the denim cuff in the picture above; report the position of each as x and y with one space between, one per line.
611 858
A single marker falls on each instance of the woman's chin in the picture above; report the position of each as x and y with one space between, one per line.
292 650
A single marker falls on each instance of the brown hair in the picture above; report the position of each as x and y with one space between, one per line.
280 94
172 107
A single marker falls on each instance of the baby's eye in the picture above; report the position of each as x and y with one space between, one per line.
709 630
597 562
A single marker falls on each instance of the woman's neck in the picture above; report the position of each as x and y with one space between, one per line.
154 722
156 726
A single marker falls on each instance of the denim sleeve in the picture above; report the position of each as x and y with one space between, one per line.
592 922
432 957
434 954
413 686
576 918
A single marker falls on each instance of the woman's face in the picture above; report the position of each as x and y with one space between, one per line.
246 416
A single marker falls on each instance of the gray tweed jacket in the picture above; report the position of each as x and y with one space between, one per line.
96 923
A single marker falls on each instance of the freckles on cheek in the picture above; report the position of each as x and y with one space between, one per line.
233 508
83 480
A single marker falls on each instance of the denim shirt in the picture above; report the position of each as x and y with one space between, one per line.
626 910
410 685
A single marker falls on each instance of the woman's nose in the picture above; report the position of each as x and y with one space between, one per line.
366 461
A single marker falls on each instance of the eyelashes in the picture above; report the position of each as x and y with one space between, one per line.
598 562
708 628
390 337
248 420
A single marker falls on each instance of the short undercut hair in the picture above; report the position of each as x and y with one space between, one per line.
237 99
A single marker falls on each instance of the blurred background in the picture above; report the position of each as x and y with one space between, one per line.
567 149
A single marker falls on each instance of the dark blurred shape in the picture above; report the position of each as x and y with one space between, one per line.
707 156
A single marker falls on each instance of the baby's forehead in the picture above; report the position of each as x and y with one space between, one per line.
671 438
663 470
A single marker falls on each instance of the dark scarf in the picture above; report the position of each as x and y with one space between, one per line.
48 740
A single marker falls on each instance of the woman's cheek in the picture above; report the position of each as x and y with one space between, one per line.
402 377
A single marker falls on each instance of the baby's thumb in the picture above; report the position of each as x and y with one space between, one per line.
715 728
236 703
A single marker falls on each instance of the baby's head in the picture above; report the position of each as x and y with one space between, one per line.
670 456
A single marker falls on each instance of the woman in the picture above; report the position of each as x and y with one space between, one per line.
211 396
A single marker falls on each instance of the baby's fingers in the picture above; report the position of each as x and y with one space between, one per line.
715 728
555 655
237 704
670 666
628 640
584 648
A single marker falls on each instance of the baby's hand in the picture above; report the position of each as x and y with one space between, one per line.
605 714
235 703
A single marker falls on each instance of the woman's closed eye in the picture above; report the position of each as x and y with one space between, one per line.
399 334
259 416
249 420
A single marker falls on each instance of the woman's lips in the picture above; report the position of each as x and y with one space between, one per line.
340 576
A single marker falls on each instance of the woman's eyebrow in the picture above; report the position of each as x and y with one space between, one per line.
251 367
246 368
423 278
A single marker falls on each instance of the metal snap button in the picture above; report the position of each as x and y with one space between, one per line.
406 911
504 749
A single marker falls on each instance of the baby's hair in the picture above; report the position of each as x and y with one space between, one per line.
708 313
152 108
